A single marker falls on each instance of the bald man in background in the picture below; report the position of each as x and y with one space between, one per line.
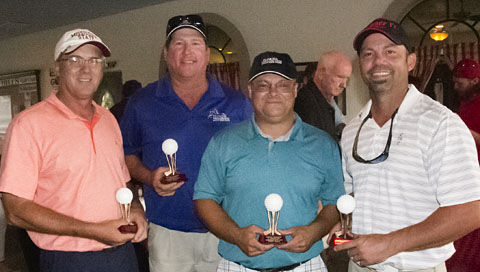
315 102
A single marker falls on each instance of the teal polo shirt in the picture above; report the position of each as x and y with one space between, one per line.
240 167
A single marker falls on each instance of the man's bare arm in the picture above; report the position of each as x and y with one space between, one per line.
137 169
445 225
141 173
26 214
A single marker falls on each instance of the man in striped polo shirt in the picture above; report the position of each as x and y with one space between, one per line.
410 163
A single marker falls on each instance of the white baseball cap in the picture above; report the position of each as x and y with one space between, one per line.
73 39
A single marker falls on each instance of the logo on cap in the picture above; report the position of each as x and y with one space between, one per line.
382 24
271 61
390 29
84 35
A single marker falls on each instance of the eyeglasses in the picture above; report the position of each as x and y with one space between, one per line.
380 158
192 20
77 61
284 86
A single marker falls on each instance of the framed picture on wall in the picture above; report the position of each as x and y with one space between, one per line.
18 91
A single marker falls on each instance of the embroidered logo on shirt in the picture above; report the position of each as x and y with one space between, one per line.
400 138
218 117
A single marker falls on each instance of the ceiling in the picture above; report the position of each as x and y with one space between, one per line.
20 17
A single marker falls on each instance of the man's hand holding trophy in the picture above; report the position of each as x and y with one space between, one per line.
170 147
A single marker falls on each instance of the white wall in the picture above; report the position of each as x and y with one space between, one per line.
302 28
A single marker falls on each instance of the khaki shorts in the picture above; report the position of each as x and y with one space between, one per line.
171 250
353 267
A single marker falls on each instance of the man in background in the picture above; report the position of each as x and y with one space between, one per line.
128 89
315 102
466 79
62 165
188 106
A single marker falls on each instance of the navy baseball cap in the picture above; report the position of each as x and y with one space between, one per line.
273 63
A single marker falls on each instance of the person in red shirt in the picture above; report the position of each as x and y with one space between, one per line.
466 79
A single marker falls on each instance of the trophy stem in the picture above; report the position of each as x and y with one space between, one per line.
174 162
169 164
269 221
273 223
123 211
276 223
342 224
128 212
347 226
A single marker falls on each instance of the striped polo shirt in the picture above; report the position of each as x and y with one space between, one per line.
432 163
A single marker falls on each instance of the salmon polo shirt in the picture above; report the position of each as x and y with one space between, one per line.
64 162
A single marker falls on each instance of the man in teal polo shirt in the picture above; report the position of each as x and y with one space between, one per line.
274 152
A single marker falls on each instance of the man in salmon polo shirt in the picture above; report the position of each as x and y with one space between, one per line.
62 164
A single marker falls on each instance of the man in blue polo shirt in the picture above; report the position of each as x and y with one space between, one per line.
274 152
188 106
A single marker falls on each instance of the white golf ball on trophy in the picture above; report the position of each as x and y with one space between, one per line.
124 197
170 148
273 203
345 205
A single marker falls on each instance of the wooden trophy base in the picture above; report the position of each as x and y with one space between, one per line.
340 239
131 228
272 239
178 177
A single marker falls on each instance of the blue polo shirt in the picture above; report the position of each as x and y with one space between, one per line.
240 168
154 114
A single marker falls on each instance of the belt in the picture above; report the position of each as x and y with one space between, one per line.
280 269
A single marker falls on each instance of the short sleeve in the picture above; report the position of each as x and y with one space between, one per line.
451 163
211 177
21 160
130 129
333 186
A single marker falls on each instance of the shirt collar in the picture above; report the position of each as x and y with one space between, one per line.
295 133
410 99
53 100
165 88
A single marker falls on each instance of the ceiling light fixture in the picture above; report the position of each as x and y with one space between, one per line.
438 33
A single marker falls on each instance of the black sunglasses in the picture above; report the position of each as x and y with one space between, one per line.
189 20
380 158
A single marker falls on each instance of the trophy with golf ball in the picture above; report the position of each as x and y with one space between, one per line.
345 205
124 197
170 147
273 203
